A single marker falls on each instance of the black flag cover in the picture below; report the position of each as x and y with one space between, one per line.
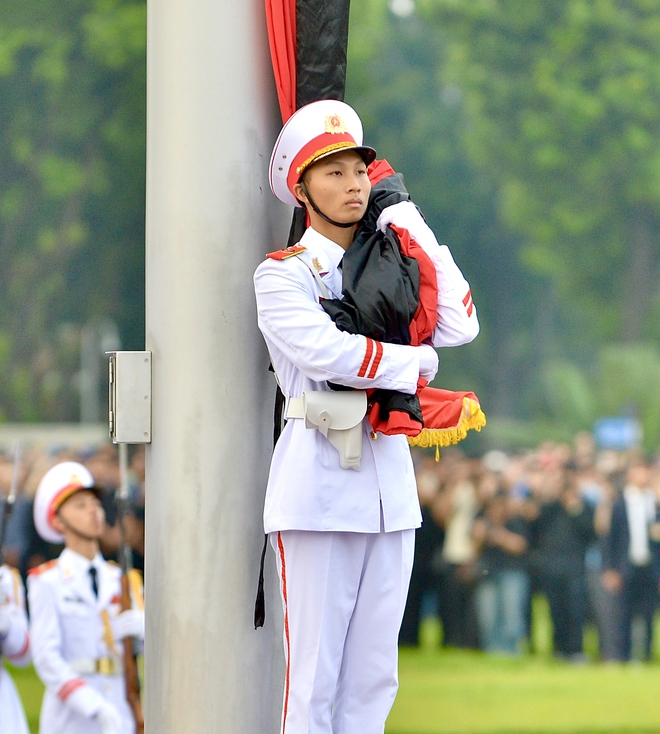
308 43
321 45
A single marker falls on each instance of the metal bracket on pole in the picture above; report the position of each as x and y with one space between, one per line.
130 397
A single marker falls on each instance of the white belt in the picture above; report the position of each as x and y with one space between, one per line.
338 416
295 408
103 666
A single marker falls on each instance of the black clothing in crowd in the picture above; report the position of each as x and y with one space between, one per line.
559 537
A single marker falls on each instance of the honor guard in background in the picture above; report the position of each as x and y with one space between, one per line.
341 504
14 646
75 620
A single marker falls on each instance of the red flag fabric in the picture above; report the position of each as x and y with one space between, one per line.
447 415
281 21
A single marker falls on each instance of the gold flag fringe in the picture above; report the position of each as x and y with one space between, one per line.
472 418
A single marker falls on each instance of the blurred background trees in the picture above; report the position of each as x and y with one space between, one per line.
527 133
72 159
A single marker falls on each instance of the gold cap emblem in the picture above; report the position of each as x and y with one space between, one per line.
334 124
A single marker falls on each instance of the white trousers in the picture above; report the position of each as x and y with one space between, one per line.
343 596
12 718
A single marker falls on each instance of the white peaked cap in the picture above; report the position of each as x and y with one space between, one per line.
55 487
315 131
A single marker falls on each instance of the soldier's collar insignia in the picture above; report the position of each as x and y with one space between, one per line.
317 265
334 124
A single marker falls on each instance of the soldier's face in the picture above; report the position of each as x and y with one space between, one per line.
339 186
83 512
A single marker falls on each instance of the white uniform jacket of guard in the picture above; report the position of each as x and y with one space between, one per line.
15 647
66 627
307 488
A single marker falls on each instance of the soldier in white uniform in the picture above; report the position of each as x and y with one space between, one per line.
76 623
14 646
340 510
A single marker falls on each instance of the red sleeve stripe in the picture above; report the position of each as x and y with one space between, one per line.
469 303
22 651
376 362
69 687
367 358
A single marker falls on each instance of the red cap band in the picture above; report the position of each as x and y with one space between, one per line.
312 151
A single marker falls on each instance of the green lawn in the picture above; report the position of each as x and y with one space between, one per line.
461 692
452 692
464 692
31 690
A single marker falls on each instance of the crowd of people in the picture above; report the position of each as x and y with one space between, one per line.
573 523
578 525
24 549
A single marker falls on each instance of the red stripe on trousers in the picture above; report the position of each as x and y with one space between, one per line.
280 547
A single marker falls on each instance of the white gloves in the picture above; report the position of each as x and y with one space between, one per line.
404 214
5 623
129 624
109 719
428 362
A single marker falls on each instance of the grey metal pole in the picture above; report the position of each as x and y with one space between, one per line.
210 219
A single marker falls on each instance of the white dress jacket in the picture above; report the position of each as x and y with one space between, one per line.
15 647
67 631
307 489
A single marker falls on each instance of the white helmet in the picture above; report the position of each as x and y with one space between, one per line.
55 487
315 131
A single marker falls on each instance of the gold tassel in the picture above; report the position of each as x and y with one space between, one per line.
472 418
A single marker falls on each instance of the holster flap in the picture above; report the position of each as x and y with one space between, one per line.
338 411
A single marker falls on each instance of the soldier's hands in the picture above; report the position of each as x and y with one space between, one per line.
404 214
428 362
129 624
109 719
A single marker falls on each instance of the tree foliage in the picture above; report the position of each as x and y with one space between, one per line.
72 147
563 100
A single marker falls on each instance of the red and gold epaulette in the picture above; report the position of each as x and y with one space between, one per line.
43 567
286 252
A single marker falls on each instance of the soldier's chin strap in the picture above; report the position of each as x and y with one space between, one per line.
344 225
75 530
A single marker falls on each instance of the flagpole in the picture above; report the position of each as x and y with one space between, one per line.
212 120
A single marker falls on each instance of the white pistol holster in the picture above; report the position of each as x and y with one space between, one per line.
338 416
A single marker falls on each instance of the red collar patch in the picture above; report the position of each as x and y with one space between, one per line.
286 252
